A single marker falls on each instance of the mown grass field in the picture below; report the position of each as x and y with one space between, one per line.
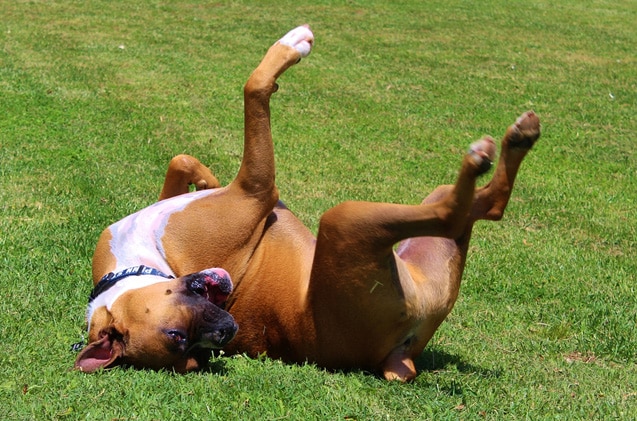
96 97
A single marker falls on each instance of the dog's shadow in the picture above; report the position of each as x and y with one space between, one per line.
217 365
431 360
437 360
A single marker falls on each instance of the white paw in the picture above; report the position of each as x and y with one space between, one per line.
300 38
483 152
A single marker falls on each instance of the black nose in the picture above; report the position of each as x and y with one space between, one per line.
196 285
212 284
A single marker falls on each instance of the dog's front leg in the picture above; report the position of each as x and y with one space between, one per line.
257 172
184 171
236 214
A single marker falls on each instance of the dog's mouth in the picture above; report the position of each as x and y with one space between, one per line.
212 284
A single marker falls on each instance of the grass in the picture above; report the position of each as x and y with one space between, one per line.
95 97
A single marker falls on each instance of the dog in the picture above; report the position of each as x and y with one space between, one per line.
368 292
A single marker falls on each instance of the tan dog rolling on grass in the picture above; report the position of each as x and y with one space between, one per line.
345 299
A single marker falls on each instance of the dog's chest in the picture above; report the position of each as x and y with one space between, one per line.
137 239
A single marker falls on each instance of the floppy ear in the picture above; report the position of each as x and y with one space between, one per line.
102 353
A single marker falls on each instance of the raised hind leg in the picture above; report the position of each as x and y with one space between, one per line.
364 300
442 260
492 199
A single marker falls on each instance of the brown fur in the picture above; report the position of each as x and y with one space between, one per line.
345 299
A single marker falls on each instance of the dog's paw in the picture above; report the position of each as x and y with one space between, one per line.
525 131
300 38
482 153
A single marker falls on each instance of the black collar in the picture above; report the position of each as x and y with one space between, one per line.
112 278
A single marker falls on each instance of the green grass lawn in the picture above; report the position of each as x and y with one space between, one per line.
96 97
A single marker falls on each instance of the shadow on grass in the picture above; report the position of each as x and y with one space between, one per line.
433 361
217 365
436 360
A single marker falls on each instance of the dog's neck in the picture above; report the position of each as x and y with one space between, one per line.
112 278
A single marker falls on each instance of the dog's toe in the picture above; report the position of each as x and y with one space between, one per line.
525 131
482 153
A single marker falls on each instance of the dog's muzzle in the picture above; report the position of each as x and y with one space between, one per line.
216 327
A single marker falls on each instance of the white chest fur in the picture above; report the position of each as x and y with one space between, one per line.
136 239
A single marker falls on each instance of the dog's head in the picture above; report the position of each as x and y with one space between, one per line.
153 322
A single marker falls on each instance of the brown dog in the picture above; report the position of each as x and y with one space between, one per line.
346 299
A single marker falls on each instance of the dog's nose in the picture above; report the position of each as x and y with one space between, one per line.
213 284
197 286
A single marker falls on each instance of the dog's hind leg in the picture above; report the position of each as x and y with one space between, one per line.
431 255
363 298
373 305
492 199
184 171
489 202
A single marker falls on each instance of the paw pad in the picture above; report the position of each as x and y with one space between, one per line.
525 131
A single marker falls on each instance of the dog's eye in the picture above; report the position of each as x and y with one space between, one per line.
177 336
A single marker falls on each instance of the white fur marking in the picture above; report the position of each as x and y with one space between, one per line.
300 38
136 239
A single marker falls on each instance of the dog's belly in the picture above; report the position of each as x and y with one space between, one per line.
136 239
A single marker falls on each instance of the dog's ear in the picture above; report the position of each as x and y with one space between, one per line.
103 353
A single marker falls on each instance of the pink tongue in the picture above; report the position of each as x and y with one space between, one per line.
215 295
